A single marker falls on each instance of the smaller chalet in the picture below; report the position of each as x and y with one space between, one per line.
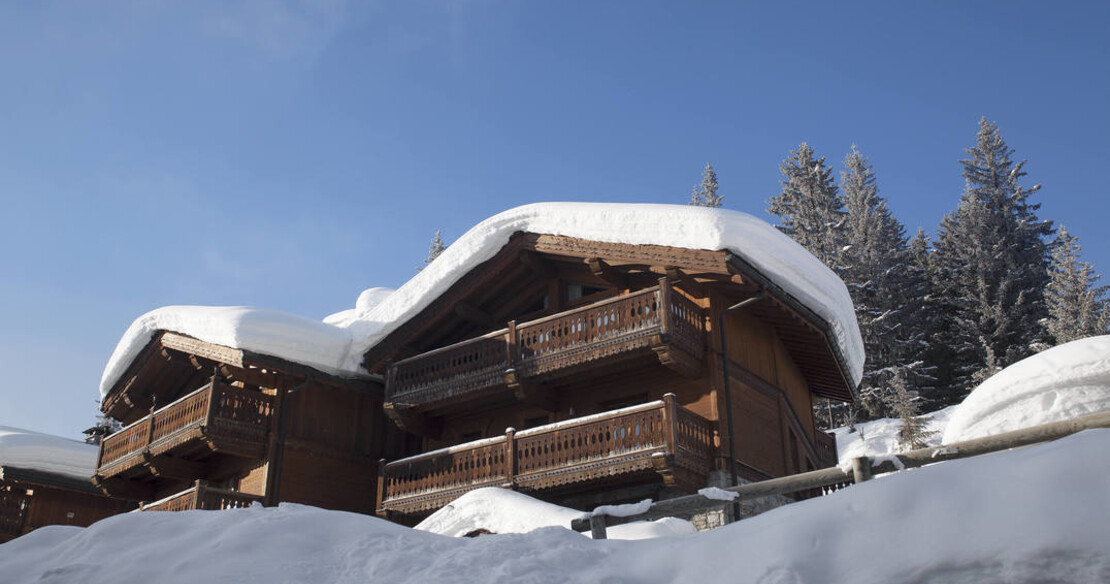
44 480
602 353
225 406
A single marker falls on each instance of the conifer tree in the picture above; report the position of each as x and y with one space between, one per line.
705 194
1076 306
876 266
434 249
990 269
914 433
809 207
925 323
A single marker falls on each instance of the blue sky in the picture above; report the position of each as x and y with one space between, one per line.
289 155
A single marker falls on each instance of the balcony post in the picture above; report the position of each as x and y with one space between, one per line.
510 457
199 488
213 397
664 307
670 420
510 345
150 423
382 487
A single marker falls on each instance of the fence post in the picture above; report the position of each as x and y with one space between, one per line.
861 469
510 457
597 526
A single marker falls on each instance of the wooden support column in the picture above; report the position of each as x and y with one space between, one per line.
510 457
861 469
383 484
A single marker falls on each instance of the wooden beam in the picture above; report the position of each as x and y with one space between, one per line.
539 266
411 421
475 315
531 392
173 468
124 489
608 273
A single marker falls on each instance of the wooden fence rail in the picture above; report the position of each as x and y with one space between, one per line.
863 469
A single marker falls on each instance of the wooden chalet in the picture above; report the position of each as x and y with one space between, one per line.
209 426
586 372
34 495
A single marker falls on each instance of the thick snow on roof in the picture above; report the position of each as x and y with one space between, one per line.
775 255
338 344
288 336
46 453
1063 382
367 300
504 511
1032 515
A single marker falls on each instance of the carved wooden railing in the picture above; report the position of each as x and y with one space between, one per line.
556 343
234 415
202 496
610 444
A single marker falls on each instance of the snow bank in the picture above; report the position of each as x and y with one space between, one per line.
880 437
1063 382
290 337
43 452
1038 514
505 511
775 255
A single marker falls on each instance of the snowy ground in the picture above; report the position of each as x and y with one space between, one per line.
880 437
504 511
954 522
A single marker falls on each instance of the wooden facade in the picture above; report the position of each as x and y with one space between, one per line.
214 427
586 372
30 499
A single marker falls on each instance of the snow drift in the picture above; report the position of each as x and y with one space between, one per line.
1037 514
504 511
1060 383
47 453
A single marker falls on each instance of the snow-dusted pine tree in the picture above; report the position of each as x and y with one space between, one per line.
926 322
903 402
990 270
434 249
705 194
887 292
809 207
1076 305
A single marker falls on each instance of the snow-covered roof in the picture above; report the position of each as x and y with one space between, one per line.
270 332
46 453
1063 382
338 344
774 254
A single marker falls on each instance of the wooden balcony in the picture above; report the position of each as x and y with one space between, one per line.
14 503
215 418
651 320
202 496
636 443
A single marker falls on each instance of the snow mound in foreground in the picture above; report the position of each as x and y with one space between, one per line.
47 453
1063 382
880 437
270 332
505 511
1037 514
